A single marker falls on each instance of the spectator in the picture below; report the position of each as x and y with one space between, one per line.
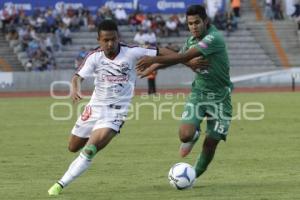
277 9
150 38
146 23
33 34
133 22
269 15
75 22
41 24
172 26
296 14
90 22
40 60
231 23
58 37
50 21
67 20
235 5
66 36
297 9
220 20
98 19
140 17
159 28
80 57
106 13
121 15
182 21
12 35
140 37
49 43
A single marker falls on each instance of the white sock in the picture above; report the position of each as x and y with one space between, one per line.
77 167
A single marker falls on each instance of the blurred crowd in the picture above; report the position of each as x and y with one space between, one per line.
44 32
273 10
296 14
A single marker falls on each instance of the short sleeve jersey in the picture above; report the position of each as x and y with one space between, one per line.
216 78
114 79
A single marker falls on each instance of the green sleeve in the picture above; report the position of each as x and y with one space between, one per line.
210 44
184 48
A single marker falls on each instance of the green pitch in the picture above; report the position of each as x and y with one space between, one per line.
259 161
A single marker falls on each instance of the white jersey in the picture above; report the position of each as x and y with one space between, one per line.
114 79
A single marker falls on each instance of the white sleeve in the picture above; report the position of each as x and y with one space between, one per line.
87 67
140 52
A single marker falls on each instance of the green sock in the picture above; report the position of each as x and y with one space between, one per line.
202 162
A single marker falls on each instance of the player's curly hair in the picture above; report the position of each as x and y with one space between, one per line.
107 25
197 10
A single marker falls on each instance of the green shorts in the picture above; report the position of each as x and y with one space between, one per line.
217 113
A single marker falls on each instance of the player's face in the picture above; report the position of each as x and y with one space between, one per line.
196 25
109 42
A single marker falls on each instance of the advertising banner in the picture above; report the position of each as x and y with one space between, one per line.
158 6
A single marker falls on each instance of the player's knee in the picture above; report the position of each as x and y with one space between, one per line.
186 135
73 148
89 151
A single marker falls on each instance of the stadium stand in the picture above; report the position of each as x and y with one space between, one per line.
8 56
244 51
255 45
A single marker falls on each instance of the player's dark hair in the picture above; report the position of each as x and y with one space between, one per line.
197 10
107 25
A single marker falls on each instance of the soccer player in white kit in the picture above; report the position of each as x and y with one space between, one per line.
113 67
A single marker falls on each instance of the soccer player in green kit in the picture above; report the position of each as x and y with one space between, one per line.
211 90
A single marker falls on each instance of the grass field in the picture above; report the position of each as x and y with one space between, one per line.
259 161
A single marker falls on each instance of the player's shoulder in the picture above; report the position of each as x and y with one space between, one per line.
128 46
135 48
94 52
213 36
190 39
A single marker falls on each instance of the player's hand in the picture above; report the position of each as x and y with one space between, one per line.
144 63
75 96
147 71
198 63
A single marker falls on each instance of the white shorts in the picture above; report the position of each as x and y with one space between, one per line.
96 117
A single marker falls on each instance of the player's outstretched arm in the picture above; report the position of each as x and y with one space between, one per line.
195 63
75 91
170 59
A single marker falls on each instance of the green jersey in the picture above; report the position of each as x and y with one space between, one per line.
215 79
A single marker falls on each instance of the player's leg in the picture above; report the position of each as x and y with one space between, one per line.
188 135
189 130
82 129
217 129
98 140
207 154
76 143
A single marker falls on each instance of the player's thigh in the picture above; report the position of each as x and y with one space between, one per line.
76 143
101 137
191 118
85 123
218 128
219 123
108 125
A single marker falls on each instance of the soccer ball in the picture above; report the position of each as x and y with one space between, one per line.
182 176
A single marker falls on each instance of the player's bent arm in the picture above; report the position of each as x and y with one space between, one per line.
194 63
170 59
75 88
